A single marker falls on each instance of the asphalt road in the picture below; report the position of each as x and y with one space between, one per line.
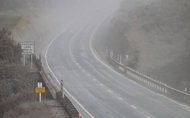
102 91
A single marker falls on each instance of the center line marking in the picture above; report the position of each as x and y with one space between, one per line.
101 84
110 91
120 98
133 106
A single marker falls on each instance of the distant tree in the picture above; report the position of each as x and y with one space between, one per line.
9 50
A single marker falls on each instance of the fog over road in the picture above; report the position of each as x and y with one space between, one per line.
103 92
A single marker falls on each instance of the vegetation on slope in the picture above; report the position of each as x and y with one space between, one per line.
16 82
155 35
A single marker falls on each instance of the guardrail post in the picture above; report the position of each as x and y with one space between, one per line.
62 92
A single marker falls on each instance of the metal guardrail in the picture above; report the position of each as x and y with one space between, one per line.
143 79
55 87
151 83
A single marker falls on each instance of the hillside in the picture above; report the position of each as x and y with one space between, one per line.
17 83
155 35
28 4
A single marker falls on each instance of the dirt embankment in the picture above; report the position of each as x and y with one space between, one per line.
155 35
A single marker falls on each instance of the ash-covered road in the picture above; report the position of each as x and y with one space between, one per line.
103 92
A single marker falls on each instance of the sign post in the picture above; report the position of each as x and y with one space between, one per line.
40 89
31 62
24 60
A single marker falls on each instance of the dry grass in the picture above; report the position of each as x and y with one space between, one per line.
29 110
16 82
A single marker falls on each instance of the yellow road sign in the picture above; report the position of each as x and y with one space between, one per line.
40 89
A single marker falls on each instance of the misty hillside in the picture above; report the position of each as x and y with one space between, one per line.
28 4
156 35
33 20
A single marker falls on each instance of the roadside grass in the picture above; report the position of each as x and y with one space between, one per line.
17 83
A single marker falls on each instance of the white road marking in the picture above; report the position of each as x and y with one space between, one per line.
83 71
133 106
101 84
148 117
88 75
121 68
120 98
110 91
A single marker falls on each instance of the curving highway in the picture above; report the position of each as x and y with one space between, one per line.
102 91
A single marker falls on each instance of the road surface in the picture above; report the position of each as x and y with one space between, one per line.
102 91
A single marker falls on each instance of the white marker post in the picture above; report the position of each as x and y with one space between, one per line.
40 94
